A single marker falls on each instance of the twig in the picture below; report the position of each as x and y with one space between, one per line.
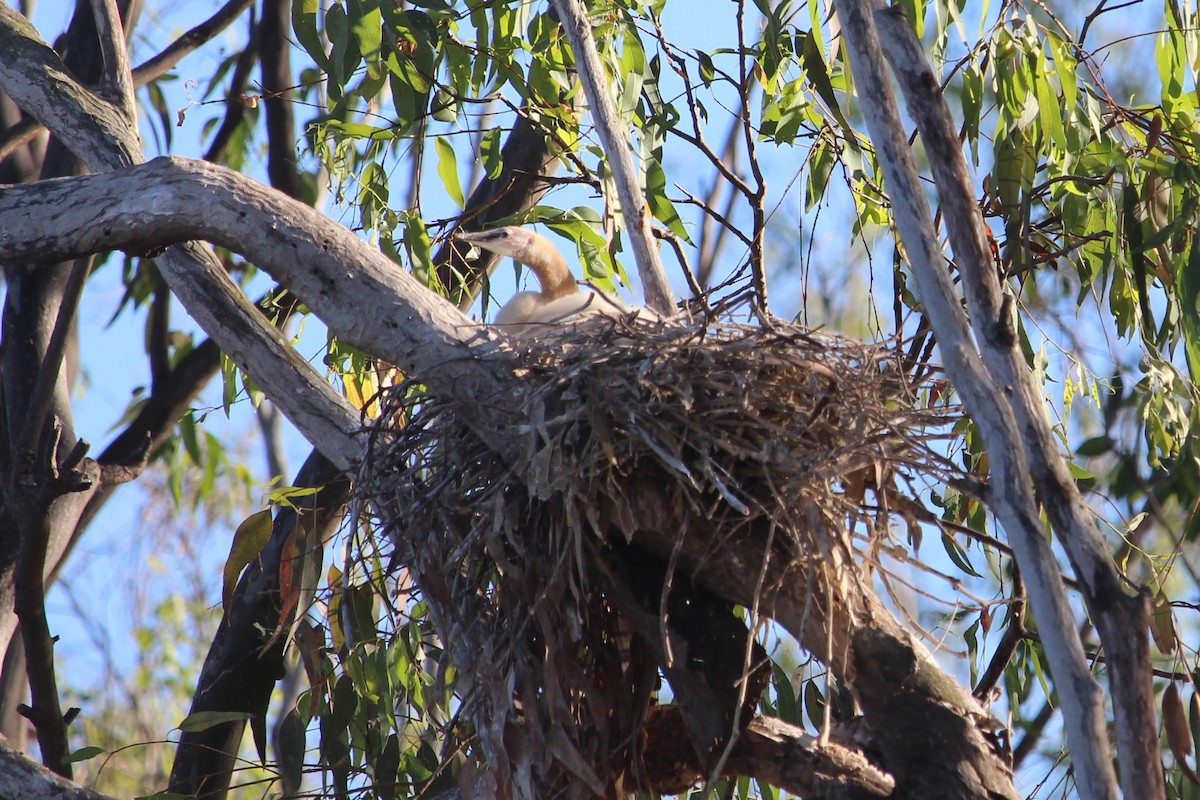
1008 642
758 272
694 285
18 135
235 109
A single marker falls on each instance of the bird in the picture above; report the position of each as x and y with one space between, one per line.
560 303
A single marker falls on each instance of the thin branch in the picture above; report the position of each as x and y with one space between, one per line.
756 198
19 135
1003 654
274 49
162 63
50 371
38 482
616 146
235 109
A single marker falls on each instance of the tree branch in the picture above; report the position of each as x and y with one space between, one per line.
96 131
987 402
246 655
519 186
22 777
117 81
162 63
1123 621
616 147
276 66
363 297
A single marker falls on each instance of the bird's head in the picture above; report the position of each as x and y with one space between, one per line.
531 249
511 241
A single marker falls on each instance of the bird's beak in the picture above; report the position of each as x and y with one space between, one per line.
478 237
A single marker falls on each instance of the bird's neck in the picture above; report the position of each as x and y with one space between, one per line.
555 278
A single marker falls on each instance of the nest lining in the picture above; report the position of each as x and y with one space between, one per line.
627 429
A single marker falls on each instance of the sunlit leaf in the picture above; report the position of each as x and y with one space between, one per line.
248 541
448 171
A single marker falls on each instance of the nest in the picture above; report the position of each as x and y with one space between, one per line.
681 431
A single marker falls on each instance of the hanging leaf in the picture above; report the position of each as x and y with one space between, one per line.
248 541
1179 736
448 171
1162 626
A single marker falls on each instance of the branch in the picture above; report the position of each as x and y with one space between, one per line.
771 750
117 82
916 713
22 777
246 656
160 64
520 185
96 131
361 295
616 147
1123 621
274 49
1083 703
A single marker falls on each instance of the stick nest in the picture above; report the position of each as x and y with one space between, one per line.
626 429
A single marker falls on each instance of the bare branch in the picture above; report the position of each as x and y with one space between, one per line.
616 147
1014 504
363 297
16 136
49 373
97 132
117 82
160 64
274 49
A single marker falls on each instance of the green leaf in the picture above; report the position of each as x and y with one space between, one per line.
491 153
814 703
84 753
203 720
661 207
785 695
958 555
229 383
445 107
818 75
248 542
366 25
304 23
448 171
